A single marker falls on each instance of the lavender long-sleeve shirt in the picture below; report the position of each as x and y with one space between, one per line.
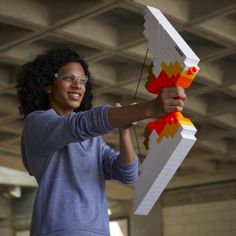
71 162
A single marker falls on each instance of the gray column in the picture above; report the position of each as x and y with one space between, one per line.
5 217
22 210
149 225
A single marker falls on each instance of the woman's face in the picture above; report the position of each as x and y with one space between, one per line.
68 88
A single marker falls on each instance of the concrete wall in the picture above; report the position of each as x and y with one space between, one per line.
205 219
200 211
208 210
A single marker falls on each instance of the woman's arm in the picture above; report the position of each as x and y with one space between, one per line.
121 116
127 153
170 99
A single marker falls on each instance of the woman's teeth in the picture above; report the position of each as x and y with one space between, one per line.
75 96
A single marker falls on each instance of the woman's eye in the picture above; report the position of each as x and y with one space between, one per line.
70 78
82 81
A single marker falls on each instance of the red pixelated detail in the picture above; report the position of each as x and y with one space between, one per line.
169 118
159 125
155 84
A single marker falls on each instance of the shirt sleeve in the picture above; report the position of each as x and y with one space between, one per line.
113 169
46 132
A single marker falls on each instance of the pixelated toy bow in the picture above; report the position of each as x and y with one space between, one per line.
170 138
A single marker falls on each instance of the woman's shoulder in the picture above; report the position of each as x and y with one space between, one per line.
40 113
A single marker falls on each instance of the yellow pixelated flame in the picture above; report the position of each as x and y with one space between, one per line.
176 68
170 130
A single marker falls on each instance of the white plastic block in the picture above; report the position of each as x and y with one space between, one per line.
165 42
159 167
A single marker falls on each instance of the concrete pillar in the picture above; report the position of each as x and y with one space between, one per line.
6 230
23 233
5 217
22 210
15 213
146 225
24 205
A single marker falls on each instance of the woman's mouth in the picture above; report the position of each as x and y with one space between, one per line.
74 96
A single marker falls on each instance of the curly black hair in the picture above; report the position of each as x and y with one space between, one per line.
35 76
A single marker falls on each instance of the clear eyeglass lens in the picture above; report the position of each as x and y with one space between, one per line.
71 77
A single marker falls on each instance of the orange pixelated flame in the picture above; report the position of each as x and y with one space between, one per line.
169 76
167 126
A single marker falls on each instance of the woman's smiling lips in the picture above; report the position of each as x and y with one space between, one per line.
74 95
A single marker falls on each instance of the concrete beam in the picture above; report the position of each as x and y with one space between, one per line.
225 120
15 177
12 162
168 7
210 74
216 146
199 194
222 28
221 106
108 36
14 126
28 13
9 104
201 179
232 150
199 165
8 117
118 191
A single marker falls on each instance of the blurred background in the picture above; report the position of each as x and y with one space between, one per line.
201 198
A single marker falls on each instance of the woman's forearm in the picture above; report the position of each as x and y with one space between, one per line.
122 116
127 153
169 100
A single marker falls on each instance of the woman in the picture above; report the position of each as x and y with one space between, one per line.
62 145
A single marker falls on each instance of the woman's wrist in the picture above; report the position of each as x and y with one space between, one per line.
154 108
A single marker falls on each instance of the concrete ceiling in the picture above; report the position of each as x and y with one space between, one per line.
109 35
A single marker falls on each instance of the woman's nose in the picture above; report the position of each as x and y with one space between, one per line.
76 83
